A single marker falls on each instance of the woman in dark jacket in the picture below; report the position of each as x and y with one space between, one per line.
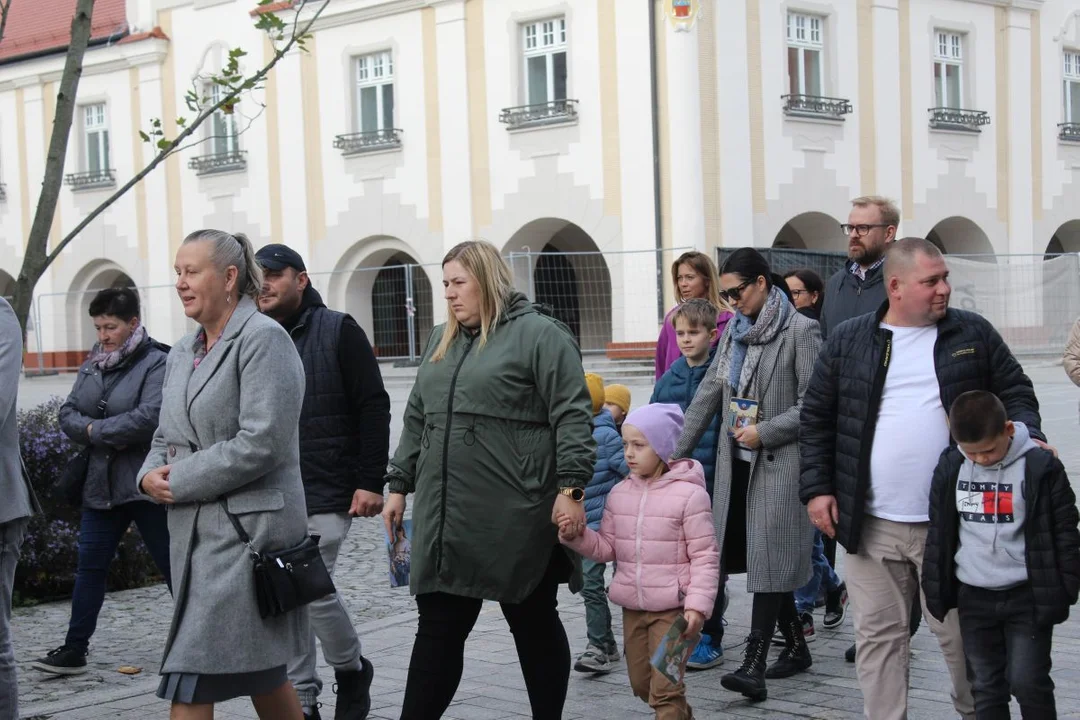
113 409
497 443
807 291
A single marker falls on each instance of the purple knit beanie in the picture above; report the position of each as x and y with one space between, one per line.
661 424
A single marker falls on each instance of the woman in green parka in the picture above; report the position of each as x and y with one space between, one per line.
497 441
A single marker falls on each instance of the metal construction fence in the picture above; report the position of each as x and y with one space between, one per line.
607 299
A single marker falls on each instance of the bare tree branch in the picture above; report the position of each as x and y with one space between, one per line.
177 142
5 8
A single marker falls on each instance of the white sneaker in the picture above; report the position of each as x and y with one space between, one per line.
594 660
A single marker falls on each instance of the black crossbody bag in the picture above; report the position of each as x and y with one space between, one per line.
286 579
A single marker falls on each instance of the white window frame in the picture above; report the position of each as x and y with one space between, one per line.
95 131
373 70
537 40
949 51
806 31
230 141
1070 75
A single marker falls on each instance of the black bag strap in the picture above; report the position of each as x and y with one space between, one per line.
244 537
103 403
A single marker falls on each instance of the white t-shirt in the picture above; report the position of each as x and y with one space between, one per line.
912 429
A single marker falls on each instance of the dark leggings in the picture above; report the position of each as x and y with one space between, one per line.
438 653
770 608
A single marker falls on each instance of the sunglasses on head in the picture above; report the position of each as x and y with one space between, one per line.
736 292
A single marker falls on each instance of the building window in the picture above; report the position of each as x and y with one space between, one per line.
374 96
544 44
224 138
949 70
95 138
1071 90
805 50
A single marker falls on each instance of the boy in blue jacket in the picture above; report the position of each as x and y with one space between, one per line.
695 330
602 654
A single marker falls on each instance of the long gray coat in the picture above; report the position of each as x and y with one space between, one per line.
779 535
18 496
229 429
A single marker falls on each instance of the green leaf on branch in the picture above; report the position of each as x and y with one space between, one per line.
144 136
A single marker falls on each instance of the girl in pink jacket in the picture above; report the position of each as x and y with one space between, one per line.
658 529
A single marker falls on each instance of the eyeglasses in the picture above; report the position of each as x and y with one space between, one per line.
861 230
797 293
736 292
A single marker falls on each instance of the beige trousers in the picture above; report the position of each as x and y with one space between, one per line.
643 632
881 581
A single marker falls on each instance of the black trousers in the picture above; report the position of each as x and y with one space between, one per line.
445 623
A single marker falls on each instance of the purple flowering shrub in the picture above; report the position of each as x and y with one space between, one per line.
49 557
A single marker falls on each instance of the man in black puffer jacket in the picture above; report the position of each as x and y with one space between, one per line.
344 449
873 427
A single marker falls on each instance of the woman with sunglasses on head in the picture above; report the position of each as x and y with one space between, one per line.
694 276
757 379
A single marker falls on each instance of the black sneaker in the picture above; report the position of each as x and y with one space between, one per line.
64 660
849 655
312 714
836 607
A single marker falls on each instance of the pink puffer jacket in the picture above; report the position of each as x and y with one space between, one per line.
661 536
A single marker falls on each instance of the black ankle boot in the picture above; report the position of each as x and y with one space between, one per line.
795 657
750 678
353 688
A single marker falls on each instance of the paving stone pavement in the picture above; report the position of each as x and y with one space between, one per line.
133 624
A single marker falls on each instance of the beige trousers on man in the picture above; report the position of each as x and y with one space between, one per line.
882 586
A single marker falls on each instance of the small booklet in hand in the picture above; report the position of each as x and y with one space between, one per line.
399 553
671 656
742 412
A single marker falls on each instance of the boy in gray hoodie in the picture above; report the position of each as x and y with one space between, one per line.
1004 550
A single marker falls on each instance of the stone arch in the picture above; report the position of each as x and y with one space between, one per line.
811 231
95 276
557 263
1066 239
958 235
382 285
7 286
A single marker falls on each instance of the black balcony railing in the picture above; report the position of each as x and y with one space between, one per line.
371 141
1070 132
91 179
228 161
549 113
943 118
816 106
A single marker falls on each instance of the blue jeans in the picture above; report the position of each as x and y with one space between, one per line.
597 610
1006 653
100 533
806 596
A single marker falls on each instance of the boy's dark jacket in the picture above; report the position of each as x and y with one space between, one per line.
1052 541
678 386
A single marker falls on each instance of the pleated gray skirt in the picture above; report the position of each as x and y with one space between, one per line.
196 689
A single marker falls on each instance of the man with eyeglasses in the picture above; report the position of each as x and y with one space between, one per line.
858 289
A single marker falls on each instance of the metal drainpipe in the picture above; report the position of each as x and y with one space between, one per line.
659 226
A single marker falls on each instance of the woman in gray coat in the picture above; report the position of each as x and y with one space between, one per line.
228 430
113 410
762 367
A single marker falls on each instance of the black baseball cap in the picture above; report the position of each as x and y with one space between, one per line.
278 257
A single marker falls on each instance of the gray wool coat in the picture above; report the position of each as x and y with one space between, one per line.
228 429
779 536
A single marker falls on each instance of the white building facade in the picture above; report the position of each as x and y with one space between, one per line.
590 140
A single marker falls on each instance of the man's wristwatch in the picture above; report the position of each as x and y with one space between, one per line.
574 493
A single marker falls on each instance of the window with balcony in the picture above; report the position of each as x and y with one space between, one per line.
222 138
373 106
95 170
544 65
1070 97
949 112
806 75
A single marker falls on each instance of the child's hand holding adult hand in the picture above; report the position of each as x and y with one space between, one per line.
695 621
567 531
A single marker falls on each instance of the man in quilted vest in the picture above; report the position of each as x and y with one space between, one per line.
344 448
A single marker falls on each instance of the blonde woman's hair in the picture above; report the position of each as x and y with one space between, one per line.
484 263
227 249
704 266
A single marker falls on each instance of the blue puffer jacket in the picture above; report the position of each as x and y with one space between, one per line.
609 470
678 386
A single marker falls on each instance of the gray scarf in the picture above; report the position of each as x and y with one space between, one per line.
742 344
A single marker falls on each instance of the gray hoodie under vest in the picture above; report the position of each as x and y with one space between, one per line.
990 501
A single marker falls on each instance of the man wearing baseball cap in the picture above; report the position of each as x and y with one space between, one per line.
344 447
